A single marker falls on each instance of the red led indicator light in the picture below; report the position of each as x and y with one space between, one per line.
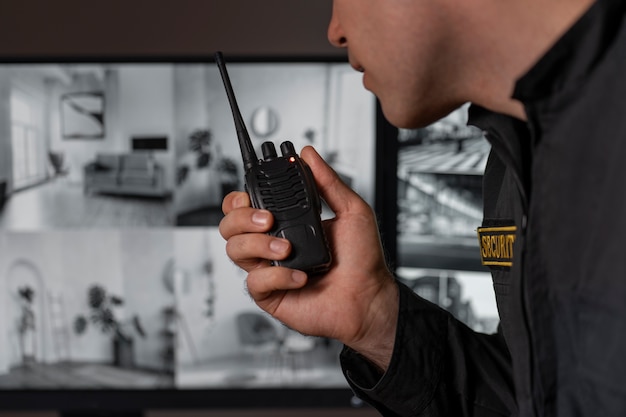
292 159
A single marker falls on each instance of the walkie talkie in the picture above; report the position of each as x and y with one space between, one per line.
284 185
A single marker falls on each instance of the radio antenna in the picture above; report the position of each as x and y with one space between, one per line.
245 144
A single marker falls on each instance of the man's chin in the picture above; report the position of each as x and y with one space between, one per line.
406 120
415 118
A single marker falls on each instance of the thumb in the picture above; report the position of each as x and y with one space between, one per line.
335 192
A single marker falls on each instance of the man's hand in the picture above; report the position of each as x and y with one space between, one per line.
354 302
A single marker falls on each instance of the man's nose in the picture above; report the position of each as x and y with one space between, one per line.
335 34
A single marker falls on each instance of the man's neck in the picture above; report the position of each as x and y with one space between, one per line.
508 39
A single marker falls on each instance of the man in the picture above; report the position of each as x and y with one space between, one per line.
546 78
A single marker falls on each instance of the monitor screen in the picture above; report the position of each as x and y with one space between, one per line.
115 284
434 208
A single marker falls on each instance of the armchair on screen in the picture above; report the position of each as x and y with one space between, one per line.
258 335
129 174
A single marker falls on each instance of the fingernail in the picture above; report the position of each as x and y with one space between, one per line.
298 277
260 218
279 246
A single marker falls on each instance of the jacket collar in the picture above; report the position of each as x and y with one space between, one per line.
574 56
510 139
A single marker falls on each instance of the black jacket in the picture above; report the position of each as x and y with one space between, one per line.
554 235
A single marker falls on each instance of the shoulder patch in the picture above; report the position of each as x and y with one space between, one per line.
496 244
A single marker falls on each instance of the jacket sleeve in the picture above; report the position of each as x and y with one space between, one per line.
439 367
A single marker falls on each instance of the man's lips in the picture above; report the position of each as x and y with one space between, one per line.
357 66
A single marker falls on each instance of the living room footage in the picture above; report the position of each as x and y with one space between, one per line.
111 182
143 308
119 145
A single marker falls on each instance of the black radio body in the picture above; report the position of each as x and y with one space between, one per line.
283 185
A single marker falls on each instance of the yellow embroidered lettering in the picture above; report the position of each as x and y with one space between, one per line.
485 246
510 239
497 245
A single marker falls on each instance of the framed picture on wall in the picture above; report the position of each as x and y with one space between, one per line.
82 115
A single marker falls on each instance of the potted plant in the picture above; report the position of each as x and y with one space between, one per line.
102 305
199 142
229 178
26 324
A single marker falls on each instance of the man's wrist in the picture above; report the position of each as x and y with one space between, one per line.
377 342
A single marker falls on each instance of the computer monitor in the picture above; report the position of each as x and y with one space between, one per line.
116 292
431 207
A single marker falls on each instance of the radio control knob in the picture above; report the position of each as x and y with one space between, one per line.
269 151
287 148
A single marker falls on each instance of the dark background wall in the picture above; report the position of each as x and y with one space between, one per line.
165 27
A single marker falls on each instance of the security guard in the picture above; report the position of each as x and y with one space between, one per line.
546 79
